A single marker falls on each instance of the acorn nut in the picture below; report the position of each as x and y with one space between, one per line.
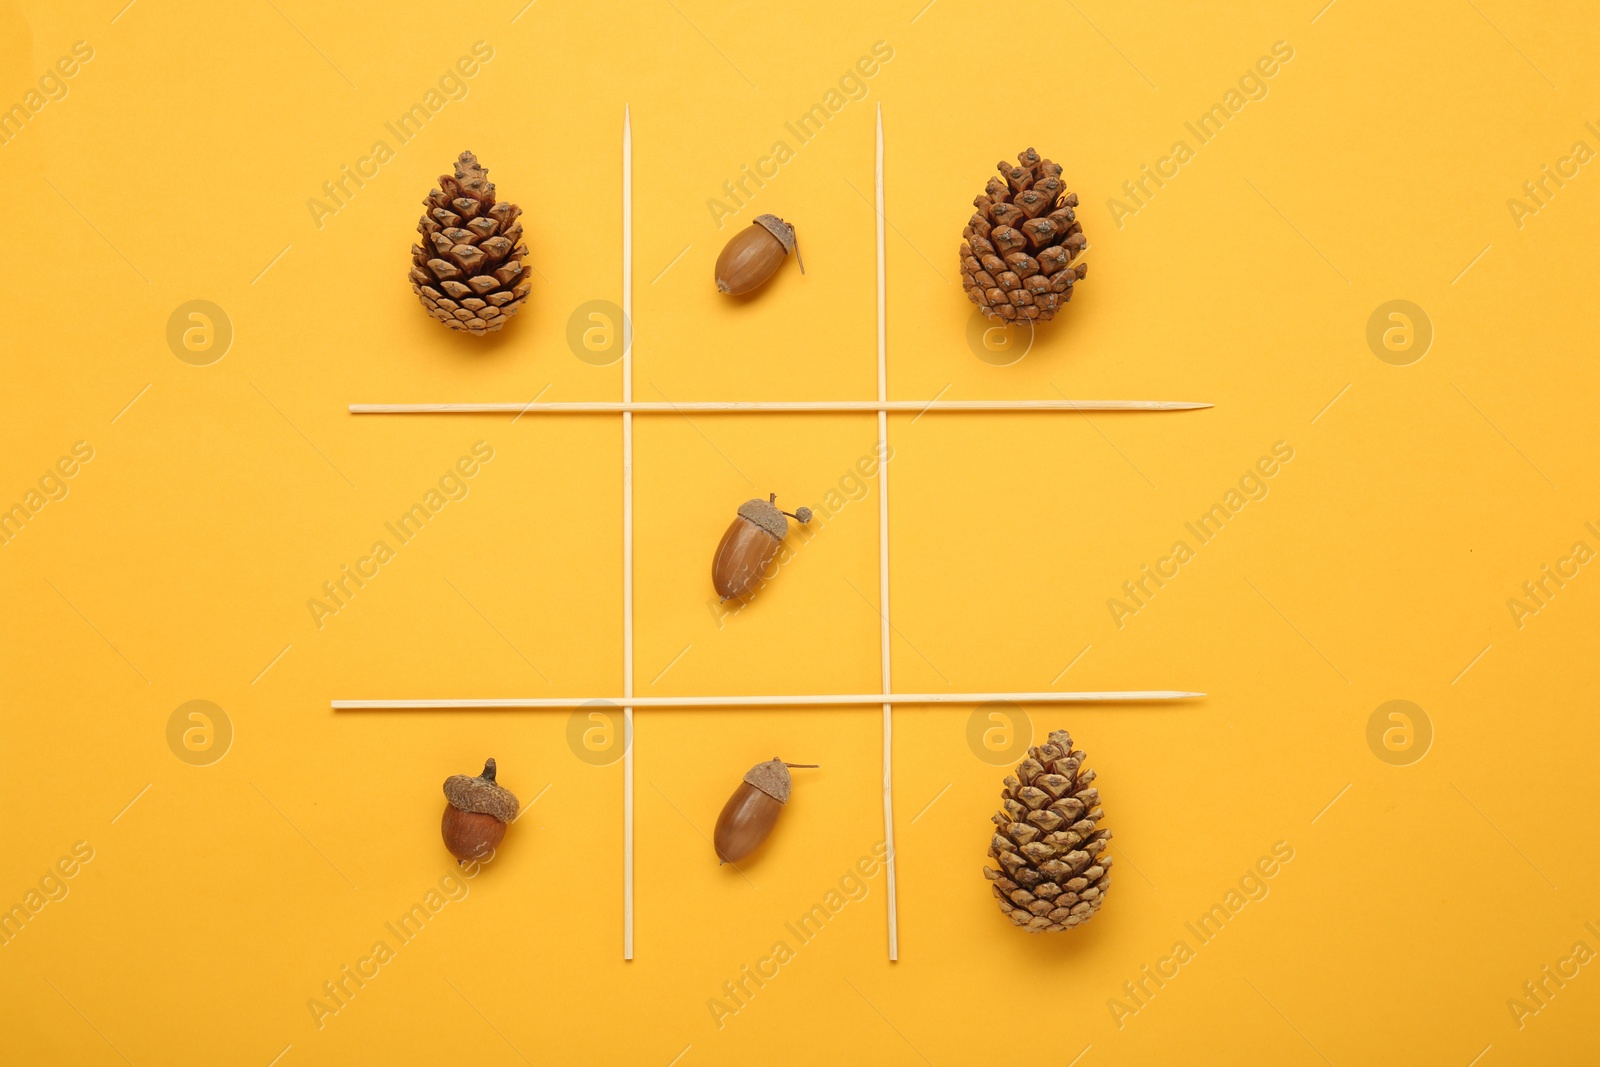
476 817
749 545
749 815
755 254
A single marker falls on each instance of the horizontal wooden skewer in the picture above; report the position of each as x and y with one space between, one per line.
735 407
813 700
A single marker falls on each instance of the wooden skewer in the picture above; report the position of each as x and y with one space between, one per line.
627 534
889 867
735 407
818 700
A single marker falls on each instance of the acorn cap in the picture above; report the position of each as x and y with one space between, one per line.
779 229
481 794
772 778
765 514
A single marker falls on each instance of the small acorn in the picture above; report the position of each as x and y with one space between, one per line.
754 254
749 545
749 815
476 817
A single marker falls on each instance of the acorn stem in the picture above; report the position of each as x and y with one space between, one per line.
488 770
804 766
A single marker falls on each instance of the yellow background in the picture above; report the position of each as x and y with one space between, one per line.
1379 165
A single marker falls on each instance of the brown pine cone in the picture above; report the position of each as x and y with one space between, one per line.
1048 842
1016 252
468 271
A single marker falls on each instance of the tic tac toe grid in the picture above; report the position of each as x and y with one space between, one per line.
887 698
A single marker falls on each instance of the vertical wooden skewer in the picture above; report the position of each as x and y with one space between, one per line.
883 558
627 532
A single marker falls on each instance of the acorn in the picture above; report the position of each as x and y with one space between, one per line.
754 254
476 817
749 545
750 814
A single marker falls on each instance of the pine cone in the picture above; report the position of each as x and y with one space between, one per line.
1052 855
1017 250
467 271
